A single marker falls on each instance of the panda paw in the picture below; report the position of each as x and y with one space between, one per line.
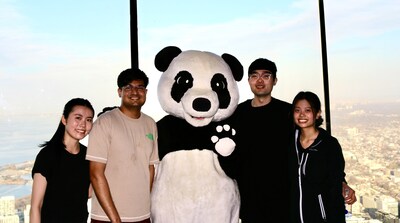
224 145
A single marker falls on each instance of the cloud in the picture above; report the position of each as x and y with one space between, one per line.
40 69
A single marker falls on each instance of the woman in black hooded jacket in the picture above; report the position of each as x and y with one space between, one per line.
316 166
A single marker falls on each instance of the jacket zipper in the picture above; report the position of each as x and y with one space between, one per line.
300 161
321 207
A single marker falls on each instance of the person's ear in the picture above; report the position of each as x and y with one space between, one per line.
64 120
319 114
119 92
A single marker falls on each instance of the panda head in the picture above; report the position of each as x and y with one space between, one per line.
198 86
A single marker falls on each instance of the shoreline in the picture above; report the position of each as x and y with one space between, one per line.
16 174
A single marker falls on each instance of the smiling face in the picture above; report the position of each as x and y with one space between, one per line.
198 87
261 83
133 95
303 114
78 123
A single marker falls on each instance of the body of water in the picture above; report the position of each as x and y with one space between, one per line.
20 136
18 191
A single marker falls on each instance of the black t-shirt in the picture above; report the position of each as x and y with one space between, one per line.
261 157
68 181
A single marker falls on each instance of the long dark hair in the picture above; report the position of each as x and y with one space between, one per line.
58 136
314 101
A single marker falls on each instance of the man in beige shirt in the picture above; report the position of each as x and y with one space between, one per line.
122 150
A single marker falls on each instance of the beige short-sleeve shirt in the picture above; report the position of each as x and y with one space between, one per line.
127 146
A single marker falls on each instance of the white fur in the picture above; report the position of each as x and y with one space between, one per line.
191 187
202 65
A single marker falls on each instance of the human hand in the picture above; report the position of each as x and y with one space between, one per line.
349 194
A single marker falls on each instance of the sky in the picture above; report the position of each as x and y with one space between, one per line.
52 51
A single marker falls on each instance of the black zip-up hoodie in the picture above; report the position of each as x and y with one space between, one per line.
316 175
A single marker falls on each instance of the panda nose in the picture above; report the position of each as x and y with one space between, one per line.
201 104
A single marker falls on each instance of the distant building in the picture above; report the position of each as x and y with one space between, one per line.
387 218
396 173
7 210
352 132
361 220
26 213
369 201
388 205
9 219
7 205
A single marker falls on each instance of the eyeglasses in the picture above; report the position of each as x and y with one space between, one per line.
264 76
130 88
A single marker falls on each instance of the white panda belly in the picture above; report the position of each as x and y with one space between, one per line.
190 186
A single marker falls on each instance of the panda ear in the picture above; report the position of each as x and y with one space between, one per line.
165 56
235 65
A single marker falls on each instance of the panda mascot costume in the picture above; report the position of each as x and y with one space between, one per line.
198 91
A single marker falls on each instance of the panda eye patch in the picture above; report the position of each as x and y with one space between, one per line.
183 82
220 86
180 80
218 82
184 78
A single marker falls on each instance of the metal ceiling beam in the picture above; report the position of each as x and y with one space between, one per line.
325 66
134 34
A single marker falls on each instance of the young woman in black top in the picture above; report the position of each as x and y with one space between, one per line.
61 182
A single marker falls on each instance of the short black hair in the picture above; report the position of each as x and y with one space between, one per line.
130 74
262 64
